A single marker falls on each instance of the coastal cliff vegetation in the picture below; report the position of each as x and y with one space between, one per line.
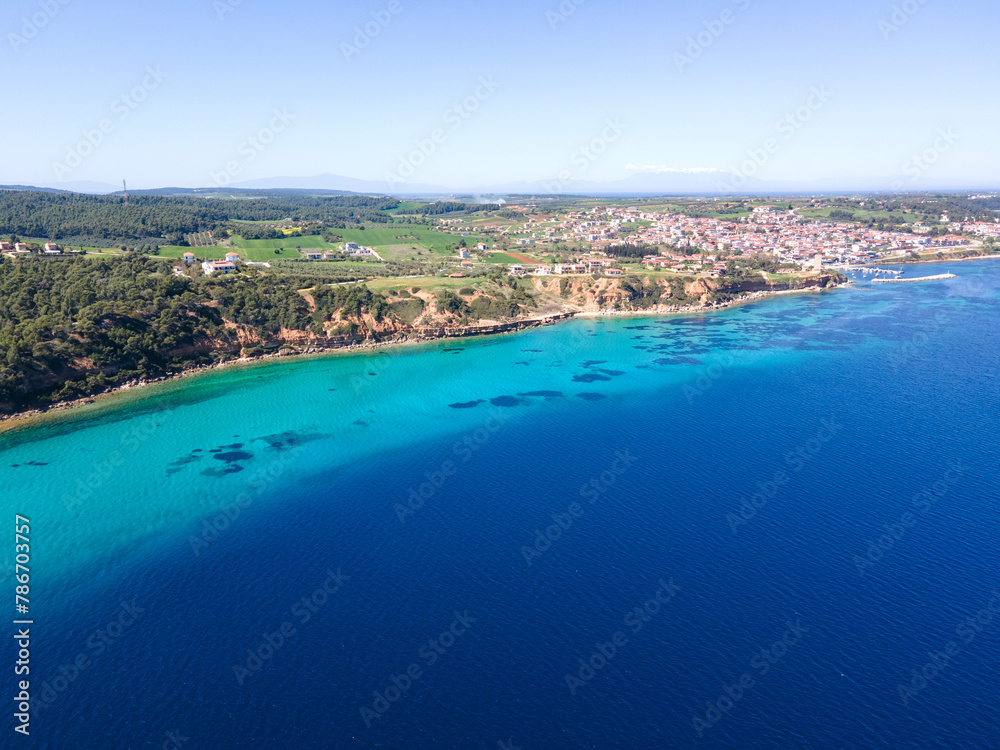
78 326
75 327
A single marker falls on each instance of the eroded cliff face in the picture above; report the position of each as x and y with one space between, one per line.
342 330
243 338
583 293
819 281
52 376
554 298
587 294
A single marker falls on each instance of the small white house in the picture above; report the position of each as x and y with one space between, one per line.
220 266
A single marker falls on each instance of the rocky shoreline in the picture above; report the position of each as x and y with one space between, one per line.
422 335
950 259
743 299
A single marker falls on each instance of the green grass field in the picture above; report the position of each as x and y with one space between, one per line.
256 250
395 237
427 283
502 258
406 207
261 250
393 241
99 250
862 215
356 266
202 253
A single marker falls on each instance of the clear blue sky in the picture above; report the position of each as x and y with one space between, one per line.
225 76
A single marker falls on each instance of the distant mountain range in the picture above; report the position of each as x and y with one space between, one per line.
339 182
37 189
92 188
709 183
640 184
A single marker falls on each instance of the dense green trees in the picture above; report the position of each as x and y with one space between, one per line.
75 326
647 293
739 267
61 215
839 214
448 301
348 299
631 251
449 207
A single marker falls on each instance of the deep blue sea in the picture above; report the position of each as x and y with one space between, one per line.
765 527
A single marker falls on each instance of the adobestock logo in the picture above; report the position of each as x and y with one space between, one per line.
762 662
562 13
901 14
787 126
399 684
224 7
123 106
363 35
713 29
174 739
562 522
251 148
923 501
919 164
269 643
587 154
463 449
707 377
455 116
47 10
99 641
101 471
635 620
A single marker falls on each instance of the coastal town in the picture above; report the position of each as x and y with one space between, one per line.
700 245
451 238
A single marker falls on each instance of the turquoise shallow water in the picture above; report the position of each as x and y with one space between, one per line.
126 476
216 502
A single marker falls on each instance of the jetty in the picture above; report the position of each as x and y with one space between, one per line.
913 281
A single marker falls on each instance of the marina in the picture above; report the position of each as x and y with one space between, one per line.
938 277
